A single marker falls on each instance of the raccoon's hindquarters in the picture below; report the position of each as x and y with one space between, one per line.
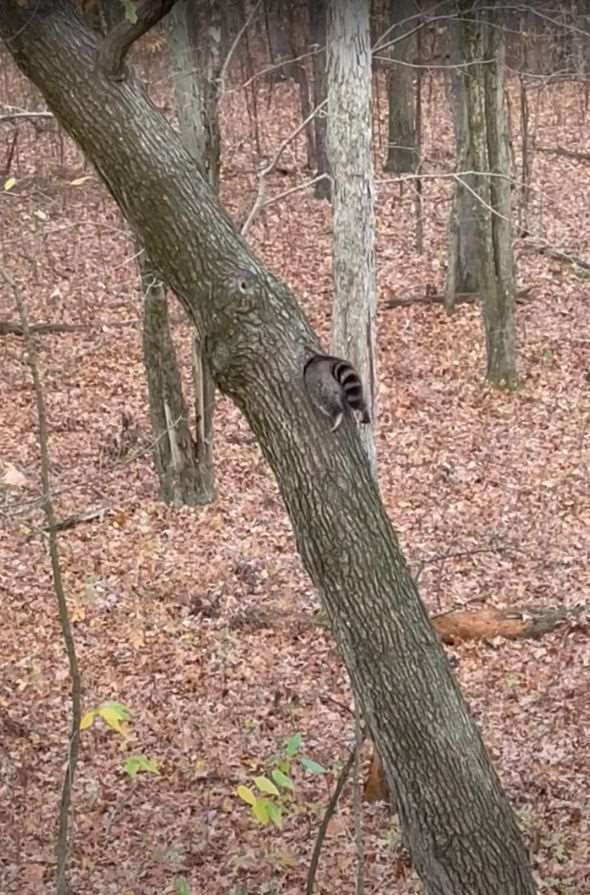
334 386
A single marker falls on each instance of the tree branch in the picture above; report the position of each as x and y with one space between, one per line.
62 843
116 45
329 812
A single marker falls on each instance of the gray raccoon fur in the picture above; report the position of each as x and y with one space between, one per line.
334 387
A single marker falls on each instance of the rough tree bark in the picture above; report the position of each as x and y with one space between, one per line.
353 217
402 152
456 821
483 51
463 253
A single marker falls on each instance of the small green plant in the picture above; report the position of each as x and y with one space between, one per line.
115 715
181 886
273 793
137 763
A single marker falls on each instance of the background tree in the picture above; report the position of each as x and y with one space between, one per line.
463 245
353 218
318 24
402 152
456 821
196 55
183 463
483 51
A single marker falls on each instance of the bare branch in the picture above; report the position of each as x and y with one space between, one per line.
23 116
261 200
330 809
63 833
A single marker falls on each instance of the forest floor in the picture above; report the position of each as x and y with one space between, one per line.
202 621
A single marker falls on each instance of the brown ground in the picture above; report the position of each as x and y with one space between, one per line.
201 621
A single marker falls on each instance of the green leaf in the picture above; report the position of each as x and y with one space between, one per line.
136 763
267 786
260 812
87 719
312 766
282 780
181 886
113 713
275 814
246 795
293 744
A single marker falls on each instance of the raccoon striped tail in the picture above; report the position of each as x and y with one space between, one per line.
352 387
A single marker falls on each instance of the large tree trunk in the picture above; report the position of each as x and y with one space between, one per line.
456 821
353 217
483 51
402 151
463 254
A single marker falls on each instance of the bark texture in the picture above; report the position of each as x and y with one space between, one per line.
353 215
456 820
402 148
483 49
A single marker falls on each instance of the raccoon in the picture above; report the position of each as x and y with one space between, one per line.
334 387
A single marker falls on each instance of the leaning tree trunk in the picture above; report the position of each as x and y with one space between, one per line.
353 218
483 51
402 146
196 58
456 821
463 243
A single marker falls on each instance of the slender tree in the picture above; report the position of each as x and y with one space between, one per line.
463 253
353 217
456 821
183 464
402 150
317 24
484 51
195 37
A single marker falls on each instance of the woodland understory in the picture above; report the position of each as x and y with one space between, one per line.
201 621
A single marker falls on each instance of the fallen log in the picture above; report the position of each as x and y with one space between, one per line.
438 298
12 328
460 625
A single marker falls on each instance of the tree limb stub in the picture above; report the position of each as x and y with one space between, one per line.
115 46
256 338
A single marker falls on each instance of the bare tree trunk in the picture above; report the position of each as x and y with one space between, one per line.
353 216
484 54
195 49
402 153
279 40
184 469
174 449
317 22
463 243
456 821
